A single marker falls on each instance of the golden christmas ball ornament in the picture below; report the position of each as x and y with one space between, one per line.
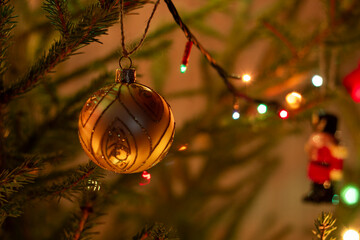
126 127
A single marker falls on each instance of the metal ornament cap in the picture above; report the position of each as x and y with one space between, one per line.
125 75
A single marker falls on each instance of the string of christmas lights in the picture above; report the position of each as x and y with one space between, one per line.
293 99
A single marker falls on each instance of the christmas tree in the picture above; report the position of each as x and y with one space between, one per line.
253 75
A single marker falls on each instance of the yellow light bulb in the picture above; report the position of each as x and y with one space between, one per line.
293 99
351 235
246 78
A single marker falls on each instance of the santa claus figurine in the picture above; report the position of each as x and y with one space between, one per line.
325 158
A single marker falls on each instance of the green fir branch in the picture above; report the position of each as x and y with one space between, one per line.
94 22
282 35
12 181
86 211
76 182
58 14
81 223
64 185
325 226
7 23
157 231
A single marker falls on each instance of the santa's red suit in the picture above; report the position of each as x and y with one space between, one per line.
325 163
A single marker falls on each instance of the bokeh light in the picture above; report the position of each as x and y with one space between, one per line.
351 235
283 114
236 115
293 99
317 81
350 194
183 68
262 108
246 78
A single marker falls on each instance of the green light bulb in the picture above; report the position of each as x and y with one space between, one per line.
262 108
350 194
236 115
183 68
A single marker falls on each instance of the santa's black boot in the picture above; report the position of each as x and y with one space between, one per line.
317 194
328 194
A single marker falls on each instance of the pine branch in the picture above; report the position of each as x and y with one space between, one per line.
80 224
12 181
74 182
324 226
64 186
281 36
59 16
94 22
86 211
157 231
7 23
16 183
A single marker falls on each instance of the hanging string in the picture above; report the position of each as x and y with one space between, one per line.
125 52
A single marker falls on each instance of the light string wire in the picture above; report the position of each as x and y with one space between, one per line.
125 52
223 74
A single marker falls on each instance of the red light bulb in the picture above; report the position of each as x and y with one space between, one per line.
146 178
356 93
352 84
283 114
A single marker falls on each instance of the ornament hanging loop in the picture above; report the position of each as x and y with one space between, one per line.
125 75
125 57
